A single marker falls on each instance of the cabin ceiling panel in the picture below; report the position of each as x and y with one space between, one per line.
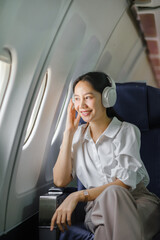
120 55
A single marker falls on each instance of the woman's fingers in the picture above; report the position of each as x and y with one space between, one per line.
70 105
63 214
77 119
69 219
72 120
60 219
63 221
53 221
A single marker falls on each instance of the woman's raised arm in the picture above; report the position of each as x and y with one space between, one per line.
62 171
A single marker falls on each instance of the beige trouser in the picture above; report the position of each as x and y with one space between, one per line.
118 214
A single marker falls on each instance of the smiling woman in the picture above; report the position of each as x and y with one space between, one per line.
104 154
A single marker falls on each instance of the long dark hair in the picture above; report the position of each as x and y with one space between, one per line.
98 80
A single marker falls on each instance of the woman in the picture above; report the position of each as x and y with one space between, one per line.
104 154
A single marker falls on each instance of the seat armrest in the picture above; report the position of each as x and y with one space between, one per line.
62 190
49 202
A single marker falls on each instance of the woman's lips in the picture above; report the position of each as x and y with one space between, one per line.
85 113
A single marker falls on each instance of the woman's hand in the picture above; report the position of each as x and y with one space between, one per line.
62 216
72 121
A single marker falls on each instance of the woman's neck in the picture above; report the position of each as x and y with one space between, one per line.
98 127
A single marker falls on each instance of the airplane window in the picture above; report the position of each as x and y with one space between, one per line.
5 69
36 108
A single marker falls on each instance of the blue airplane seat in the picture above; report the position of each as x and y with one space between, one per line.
145 115
139 104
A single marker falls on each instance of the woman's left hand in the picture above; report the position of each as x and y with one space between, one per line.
62 216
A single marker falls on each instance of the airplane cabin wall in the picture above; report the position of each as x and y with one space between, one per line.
63 39
27 31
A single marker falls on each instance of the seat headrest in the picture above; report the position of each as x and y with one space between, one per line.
139 104
131 103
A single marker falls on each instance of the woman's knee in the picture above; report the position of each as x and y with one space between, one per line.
114 191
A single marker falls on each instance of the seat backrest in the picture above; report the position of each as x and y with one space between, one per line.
139 104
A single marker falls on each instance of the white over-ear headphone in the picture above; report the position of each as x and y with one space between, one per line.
109 95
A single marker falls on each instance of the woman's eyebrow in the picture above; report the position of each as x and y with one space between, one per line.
89 93
85 93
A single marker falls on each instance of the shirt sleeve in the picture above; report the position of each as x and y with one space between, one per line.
129 168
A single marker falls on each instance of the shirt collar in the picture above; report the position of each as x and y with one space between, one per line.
110 131
113 128
87 134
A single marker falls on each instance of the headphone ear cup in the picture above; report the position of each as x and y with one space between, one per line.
109 97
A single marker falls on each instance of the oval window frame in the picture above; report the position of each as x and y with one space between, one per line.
36 109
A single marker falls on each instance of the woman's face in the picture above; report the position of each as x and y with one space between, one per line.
88 102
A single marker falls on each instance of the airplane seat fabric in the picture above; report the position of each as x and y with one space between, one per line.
128 95
153 106
80 185
150 154
146 115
